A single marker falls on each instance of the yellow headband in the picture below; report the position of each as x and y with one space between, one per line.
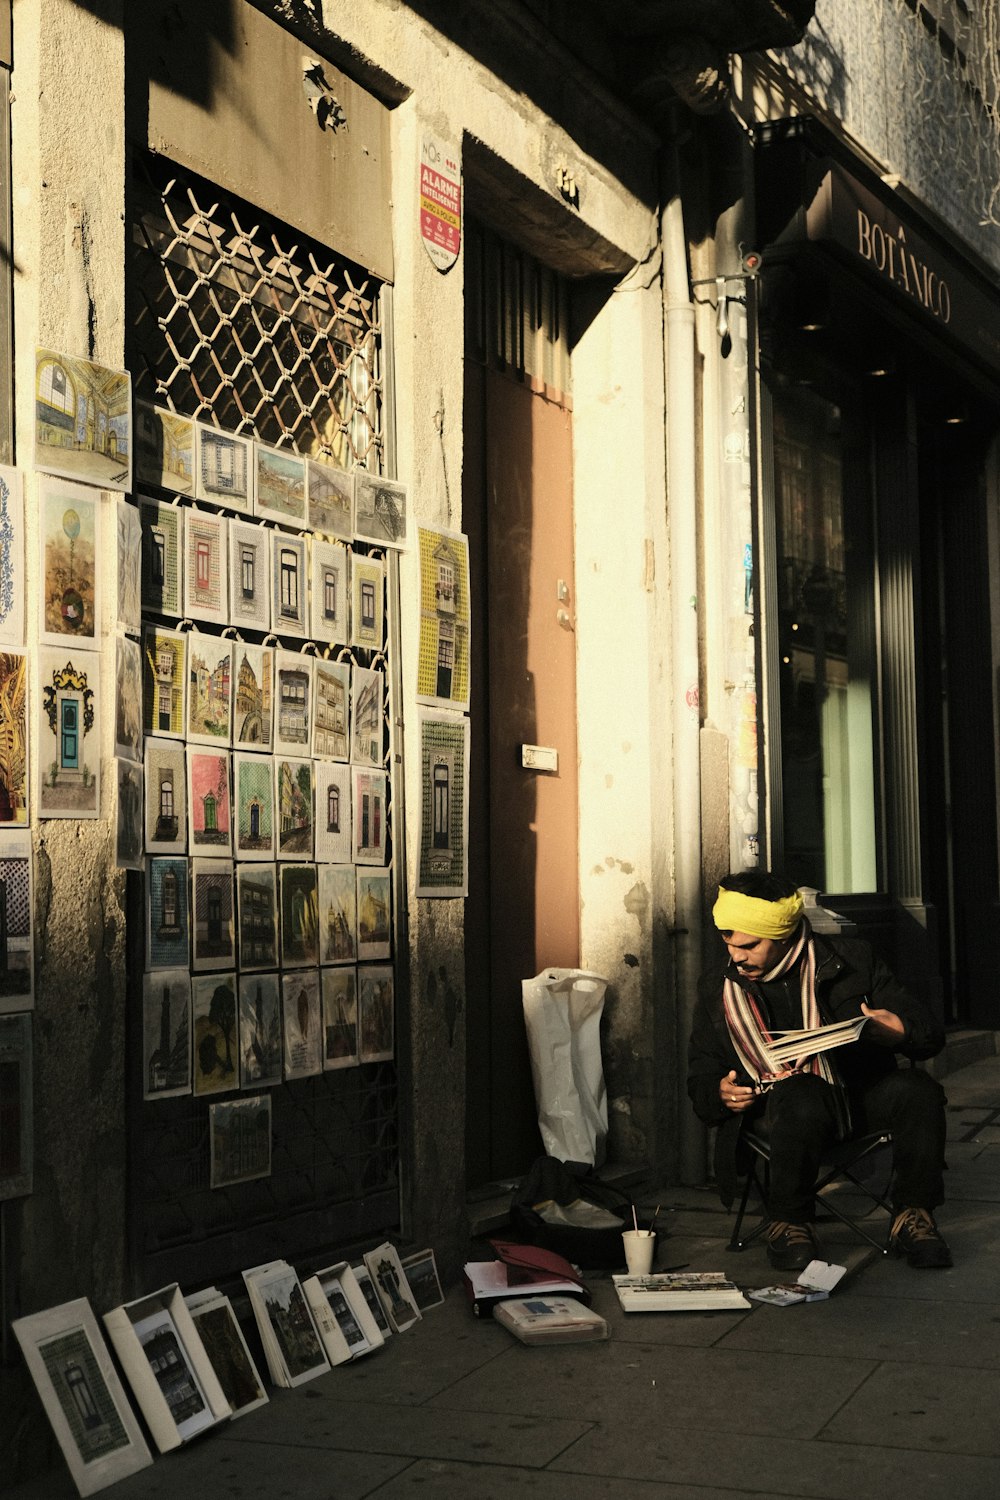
734 912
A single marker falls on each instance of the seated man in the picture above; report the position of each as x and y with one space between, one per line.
782 977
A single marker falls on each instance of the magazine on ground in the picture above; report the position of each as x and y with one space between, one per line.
679 1291
814 1284
550 1320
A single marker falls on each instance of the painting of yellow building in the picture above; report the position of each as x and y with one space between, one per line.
443 659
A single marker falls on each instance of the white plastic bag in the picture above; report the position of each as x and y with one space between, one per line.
562 1014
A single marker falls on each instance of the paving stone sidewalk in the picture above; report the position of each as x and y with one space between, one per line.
889 1389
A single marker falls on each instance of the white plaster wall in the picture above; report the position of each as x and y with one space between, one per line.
622 697
68 216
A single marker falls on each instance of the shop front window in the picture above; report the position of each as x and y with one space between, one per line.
825 577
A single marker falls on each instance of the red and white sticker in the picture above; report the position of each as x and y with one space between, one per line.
440 201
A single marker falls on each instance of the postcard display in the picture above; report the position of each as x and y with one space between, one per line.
268 984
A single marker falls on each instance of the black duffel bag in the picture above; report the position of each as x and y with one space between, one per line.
564 1206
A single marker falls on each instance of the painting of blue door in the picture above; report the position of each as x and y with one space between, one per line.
70 735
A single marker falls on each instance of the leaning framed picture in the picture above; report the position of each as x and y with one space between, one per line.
222 1336
83 1397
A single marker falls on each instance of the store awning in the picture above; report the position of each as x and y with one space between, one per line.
811 197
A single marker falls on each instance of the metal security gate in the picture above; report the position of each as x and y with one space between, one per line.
239 321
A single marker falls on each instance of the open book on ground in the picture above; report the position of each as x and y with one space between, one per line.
808 1042
679 1291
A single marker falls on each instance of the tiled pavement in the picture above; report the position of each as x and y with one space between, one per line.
890 1389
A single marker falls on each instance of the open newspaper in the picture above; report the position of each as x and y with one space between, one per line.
806 1043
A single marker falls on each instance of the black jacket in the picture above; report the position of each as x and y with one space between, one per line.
847 972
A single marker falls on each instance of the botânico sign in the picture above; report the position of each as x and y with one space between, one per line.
939 290
440 201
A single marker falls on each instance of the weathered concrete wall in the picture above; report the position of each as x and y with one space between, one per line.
68 181
68 1238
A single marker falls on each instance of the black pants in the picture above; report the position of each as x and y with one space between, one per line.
799 1119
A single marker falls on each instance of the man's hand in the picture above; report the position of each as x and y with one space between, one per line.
884 1026
735 1096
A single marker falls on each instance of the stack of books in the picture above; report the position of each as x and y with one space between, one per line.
550 1320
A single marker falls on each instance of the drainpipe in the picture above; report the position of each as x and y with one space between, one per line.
682 526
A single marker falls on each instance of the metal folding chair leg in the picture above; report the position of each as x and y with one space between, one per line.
841 1167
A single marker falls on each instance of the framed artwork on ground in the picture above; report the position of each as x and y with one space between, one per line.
83 1397
220 1332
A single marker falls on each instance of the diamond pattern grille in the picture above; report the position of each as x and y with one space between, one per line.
236 319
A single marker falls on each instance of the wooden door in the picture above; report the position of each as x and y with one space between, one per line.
523 909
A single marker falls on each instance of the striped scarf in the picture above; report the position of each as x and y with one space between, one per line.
751 1038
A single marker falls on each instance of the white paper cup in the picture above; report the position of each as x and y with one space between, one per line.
640 1245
